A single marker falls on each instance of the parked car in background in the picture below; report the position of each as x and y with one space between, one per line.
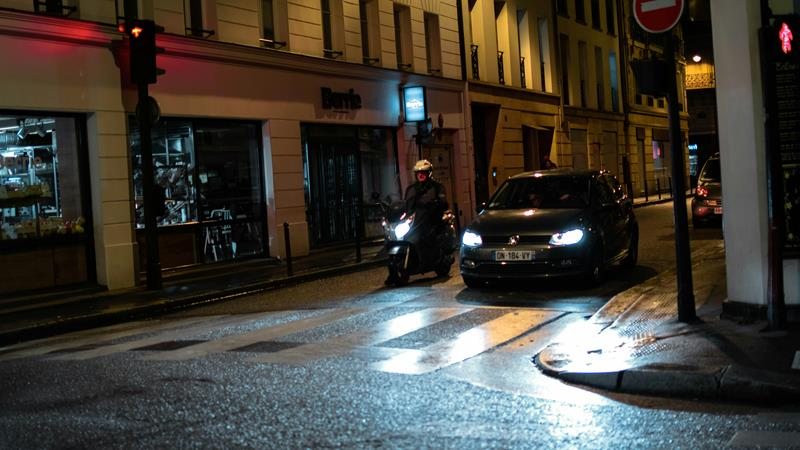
707 200
550 223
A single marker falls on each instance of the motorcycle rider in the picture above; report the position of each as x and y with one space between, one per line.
426 199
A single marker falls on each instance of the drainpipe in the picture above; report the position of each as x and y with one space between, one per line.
623 76
559 81
461 53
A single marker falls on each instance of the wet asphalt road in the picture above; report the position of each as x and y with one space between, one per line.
347 363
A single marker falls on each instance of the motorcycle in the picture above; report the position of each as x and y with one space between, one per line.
405 237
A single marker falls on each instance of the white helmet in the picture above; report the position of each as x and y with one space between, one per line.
423 165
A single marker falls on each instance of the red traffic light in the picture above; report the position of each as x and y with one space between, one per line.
143 50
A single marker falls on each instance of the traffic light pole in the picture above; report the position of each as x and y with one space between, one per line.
683 259
150 226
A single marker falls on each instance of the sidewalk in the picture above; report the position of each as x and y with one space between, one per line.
37 316
634 344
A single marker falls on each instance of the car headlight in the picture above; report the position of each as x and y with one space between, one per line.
402 229
567 238
471 239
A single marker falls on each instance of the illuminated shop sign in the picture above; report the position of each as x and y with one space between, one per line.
414 103
340 100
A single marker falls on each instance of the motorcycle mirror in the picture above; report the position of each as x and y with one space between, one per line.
481 207
376 195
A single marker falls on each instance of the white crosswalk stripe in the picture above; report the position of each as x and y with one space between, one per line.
381 332
466 345
194 329
78 339
187 339
265 334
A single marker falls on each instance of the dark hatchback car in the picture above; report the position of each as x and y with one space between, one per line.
551 223
707 200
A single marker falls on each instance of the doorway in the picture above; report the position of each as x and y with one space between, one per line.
536 144
484 126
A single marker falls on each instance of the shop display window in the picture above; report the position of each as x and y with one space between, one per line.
173 165
40 183
208 179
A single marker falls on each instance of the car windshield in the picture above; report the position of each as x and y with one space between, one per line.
711 170
541 192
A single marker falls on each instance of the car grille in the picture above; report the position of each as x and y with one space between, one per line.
503 240
522 269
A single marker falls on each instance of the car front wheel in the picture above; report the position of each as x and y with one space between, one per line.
595 273
471 282
633 252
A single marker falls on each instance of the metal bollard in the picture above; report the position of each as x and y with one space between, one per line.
288 244
658 187
646 198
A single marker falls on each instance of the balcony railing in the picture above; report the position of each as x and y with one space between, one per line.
501 76
473 49
522 72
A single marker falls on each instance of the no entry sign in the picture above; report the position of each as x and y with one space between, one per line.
657 16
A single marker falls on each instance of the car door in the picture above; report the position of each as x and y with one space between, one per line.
613 218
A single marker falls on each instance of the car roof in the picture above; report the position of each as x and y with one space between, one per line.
560 172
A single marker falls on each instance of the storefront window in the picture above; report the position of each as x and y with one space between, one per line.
40 183
173 165
343 166
208 177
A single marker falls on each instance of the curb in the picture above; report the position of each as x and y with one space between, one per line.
163 304
731 382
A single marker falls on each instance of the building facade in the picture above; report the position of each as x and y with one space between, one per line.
271 113
514 104
646 121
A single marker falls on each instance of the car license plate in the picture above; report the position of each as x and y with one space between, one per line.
718 210
513 255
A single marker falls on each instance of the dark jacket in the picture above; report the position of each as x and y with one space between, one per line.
428 196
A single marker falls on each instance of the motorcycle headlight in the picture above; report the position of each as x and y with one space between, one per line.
567 238
471 239
402 229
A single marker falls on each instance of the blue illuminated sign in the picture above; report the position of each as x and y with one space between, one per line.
414 103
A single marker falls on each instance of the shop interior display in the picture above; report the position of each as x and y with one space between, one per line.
173 165
30 194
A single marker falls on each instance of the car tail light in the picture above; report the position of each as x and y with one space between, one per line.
701 191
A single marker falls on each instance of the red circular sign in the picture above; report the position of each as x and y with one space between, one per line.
657 16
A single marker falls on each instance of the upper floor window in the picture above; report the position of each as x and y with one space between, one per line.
402 37
596 14
580 11
561 7
128 9
563 41
273 20
198 14
582 62
62 8
433 47
332 32
370 31
610 17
